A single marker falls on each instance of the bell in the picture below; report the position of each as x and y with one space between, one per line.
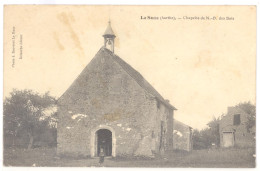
109 42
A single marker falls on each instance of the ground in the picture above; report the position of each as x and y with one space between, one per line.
234 158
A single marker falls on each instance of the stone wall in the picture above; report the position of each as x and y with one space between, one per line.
105 95
164 128
182 136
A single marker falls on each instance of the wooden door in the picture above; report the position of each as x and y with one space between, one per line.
228 139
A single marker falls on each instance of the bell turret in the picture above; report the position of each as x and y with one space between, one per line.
109 37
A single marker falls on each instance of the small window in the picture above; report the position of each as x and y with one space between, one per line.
158 104
236 119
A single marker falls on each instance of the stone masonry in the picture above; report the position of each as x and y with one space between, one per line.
109 94
182 136
235 134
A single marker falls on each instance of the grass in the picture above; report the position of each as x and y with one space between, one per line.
223 158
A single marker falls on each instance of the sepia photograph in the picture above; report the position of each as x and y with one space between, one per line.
146 86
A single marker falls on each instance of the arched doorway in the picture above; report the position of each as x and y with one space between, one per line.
100 134
104 141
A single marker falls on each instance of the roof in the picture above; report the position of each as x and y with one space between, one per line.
183 124
109 30
138 78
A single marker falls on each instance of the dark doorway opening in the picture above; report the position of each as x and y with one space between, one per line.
104 140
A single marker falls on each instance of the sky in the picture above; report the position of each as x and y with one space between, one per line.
201 66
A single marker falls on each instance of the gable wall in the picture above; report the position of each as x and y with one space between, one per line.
107 95
242 137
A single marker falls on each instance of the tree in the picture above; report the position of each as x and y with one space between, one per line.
214 131
204 138
250 109
25 114
197 139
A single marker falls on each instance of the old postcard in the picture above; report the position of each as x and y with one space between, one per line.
129 86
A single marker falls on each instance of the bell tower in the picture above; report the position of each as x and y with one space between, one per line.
109 37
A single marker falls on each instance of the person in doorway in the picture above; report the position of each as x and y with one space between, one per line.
101 156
